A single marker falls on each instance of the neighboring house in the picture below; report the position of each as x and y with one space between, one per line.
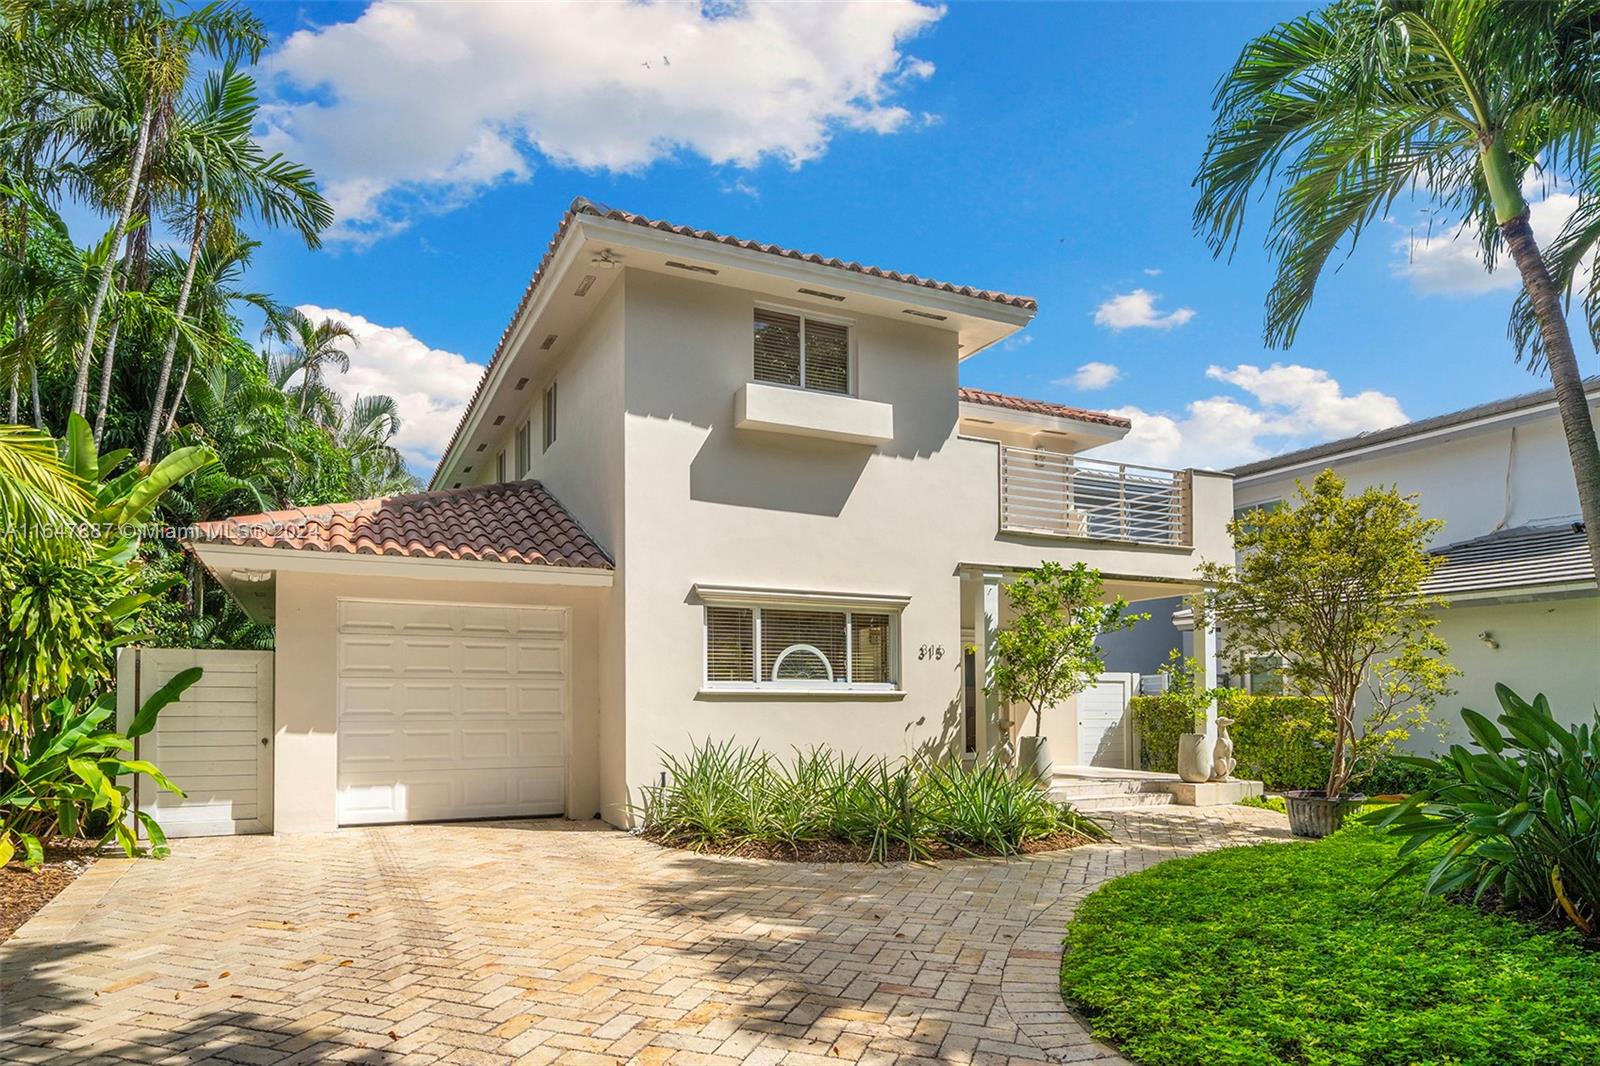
706 489
1523 608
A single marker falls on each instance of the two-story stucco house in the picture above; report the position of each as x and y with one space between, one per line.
707 488
1522 605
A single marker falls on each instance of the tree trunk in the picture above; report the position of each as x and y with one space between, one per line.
158 405
105 380
1576 422
33 385
1343 710
80 389
177 396
111 348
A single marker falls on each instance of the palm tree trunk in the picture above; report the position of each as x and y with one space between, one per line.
80 389
33 380
158 405
111 349
177 396
1576 422
105 380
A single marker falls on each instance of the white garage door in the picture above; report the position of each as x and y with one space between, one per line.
450 711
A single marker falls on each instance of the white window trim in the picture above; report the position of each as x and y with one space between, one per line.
754 600
549 415
805 315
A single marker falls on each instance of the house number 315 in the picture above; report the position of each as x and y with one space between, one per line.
931 651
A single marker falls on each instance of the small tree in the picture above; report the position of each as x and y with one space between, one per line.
1331 586
1048 651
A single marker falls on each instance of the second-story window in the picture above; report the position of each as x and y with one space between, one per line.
803 351
500 468
549 416
524 449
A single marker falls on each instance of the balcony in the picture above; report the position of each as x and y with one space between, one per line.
1051 494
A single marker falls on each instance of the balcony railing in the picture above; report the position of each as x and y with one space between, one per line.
1056 495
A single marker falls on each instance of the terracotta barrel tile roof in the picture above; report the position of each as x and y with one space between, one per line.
584 206
1040 407
517 522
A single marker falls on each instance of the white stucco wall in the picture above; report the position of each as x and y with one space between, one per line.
1551 647
707 503
1475 482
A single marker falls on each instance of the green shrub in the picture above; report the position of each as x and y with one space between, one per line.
1521 816
1397 776
1308 953
1266 803
721 795
1281 741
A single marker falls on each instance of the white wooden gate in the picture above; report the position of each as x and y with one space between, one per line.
215 743
1105 722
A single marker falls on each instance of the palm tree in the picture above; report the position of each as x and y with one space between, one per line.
312 348
134 58
231 174
217 280
1341 111
363 432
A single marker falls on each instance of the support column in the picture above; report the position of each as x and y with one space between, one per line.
994 730
1205 650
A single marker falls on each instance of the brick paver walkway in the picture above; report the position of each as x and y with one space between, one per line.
553 941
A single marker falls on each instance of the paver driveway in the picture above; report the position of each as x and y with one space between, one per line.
558 941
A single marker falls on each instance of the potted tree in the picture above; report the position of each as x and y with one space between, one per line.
1330 587
1048 652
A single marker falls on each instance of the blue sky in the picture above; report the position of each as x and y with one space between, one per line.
1044 149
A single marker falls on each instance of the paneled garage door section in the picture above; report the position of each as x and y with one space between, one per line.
450 711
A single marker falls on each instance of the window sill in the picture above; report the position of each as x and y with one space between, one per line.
808 413
757 692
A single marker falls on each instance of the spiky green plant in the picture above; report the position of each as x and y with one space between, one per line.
1520 816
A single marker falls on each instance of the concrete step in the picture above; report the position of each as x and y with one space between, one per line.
1122 801
1092 787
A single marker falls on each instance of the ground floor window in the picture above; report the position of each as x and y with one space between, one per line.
799 647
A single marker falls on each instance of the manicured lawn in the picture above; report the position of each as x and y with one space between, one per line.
1294 953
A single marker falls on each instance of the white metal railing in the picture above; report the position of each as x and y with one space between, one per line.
1058 495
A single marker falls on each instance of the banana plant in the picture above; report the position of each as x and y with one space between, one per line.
1517 819
81 768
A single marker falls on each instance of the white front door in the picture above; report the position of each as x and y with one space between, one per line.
1105 735
450 710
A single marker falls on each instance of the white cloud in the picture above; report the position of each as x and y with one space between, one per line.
1153 272
430 386
419 107
1137 310
1449 262
1091 376
1287 407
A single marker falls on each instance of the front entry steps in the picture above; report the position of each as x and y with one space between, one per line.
1100 788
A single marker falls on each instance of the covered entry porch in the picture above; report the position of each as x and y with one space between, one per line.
1092 734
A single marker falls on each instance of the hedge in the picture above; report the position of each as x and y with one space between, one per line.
1282 741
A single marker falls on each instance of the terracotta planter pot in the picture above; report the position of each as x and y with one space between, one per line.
1313 814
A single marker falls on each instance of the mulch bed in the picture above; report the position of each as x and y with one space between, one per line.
842 851
24 891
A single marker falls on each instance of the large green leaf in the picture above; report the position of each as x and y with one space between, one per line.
145 719
173 468
80 449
